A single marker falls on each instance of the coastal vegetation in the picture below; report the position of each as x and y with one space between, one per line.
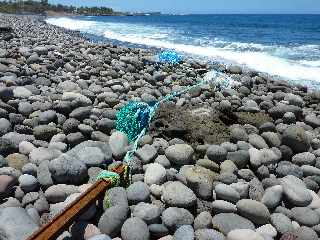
44 7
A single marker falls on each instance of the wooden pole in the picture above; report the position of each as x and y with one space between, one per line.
62 221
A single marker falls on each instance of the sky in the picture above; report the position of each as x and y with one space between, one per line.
203 6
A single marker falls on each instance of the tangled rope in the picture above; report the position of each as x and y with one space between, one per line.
113 177
135 118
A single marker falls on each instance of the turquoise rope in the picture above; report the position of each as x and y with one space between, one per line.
112 176
224 83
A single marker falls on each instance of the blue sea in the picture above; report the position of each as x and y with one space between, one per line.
287 46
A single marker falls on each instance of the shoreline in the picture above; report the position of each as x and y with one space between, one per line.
213 160
286 69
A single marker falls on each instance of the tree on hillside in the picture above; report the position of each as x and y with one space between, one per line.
41 6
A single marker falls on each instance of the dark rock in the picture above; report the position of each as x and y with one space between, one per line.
174 217
135 229
112 220
138 192
226 222
295 137
44 132
16 224
66 169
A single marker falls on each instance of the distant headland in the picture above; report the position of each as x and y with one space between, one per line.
43 7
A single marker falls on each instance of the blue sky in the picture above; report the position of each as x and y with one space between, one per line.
204 6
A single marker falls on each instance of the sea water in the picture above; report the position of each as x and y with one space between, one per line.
287 46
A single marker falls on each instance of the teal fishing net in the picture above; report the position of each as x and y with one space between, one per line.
132 119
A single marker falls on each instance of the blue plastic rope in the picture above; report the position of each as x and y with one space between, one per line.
169 56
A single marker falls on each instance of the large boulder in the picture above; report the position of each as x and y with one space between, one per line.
115 196
149 213
91 156
67 169
255 211
179 154
296 191
135 229
104 147
226 222
16 224
45 132
296 138
5 126
7 184
118 142
174 217
112 220
216 153
16 138
200 180
138 192
155 174
176 194
41 154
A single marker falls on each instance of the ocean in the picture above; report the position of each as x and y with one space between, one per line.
287 46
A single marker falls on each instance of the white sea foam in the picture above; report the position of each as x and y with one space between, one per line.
72 24
257 60
275 60
315 63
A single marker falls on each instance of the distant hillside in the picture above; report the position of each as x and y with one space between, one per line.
43 7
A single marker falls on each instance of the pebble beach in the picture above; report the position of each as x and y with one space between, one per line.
240 163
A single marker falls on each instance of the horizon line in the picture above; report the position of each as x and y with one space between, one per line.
239 13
